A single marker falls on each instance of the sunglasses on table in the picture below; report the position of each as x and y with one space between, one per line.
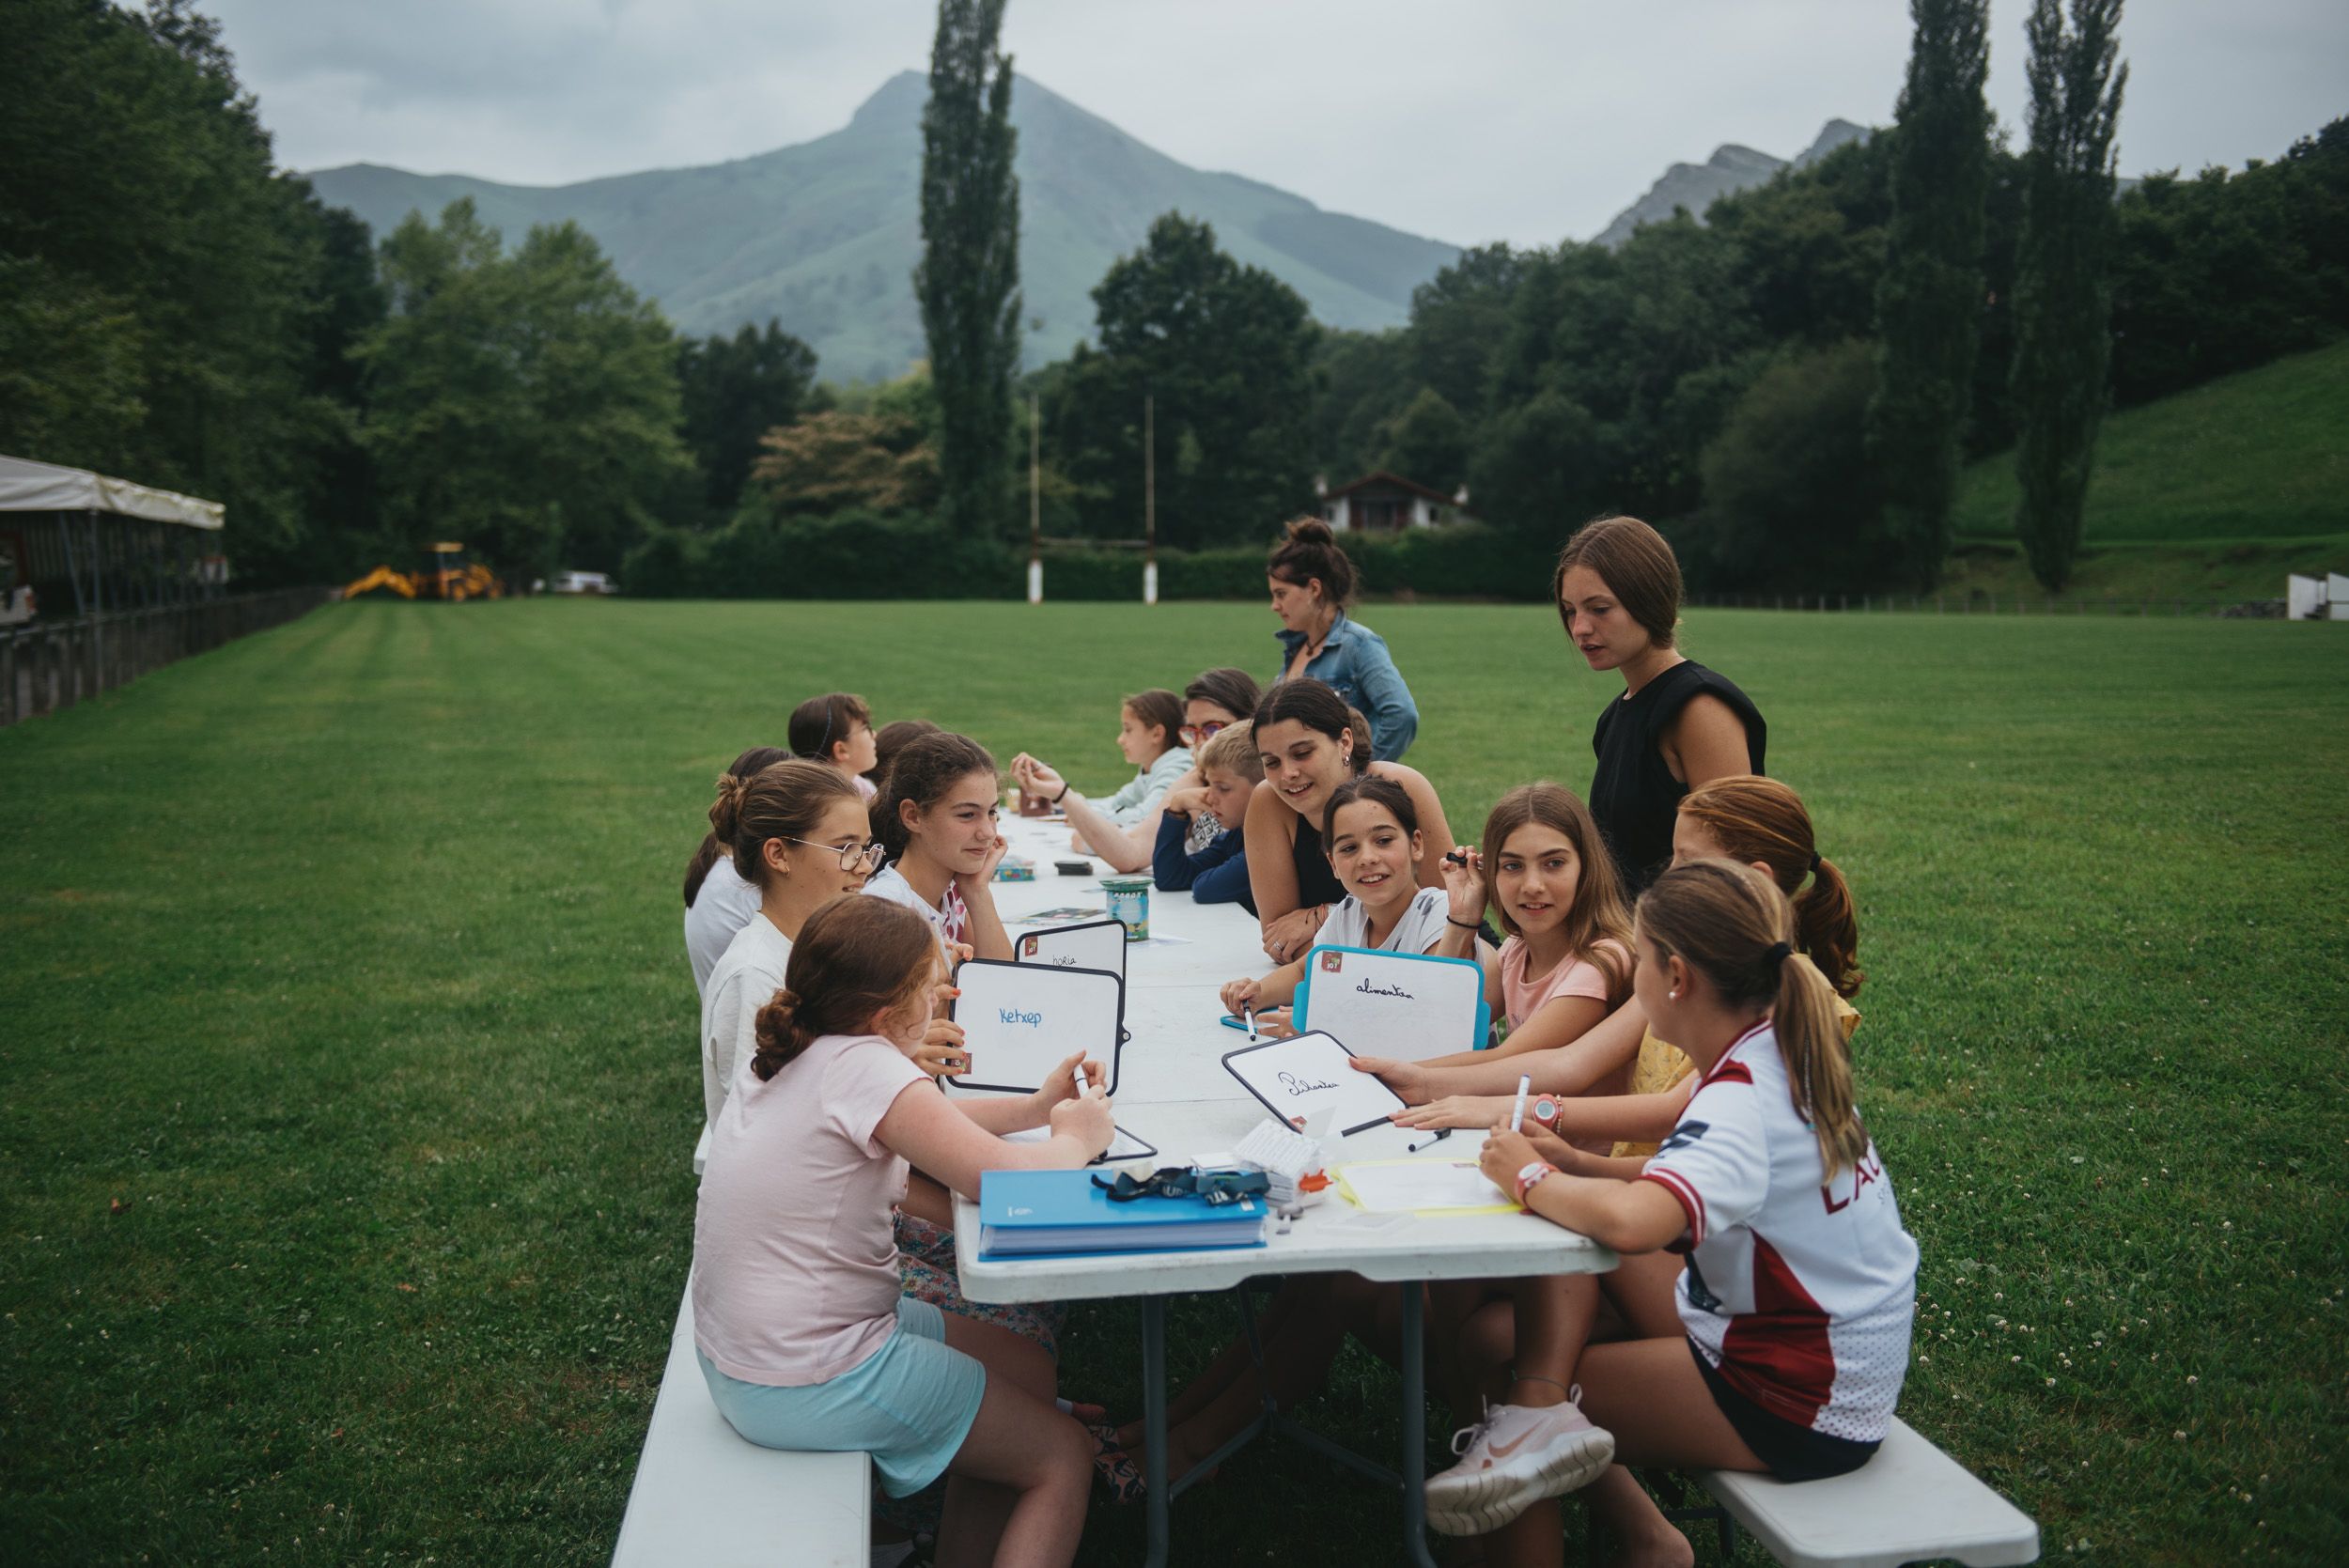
853 856
1218 1187
1193 734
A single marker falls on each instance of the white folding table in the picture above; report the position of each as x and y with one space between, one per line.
1174 1093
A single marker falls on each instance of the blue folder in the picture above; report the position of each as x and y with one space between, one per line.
1043 1213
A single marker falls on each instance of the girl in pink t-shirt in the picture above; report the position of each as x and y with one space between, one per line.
1566 965
802 1333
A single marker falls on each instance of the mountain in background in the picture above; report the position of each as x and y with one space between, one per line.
824 236
1697 186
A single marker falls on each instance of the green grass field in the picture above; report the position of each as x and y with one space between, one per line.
2259 456
2218 492
347 1084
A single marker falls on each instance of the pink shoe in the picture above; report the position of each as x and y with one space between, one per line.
1511 1460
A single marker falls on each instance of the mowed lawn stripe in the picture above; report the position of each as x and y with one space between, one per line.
346 959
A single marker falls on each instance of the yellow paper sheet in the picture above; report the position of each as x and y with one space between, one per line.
1430 1187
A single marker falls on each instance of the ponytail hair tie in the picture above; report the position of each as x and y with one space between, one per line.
1816 862
1777 955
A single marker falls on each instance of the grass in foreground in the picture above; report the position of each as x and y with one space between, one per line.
346 1085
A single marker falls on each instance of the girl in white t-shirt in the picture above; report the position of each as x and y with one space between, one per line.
1123 829
802 1333
936 818
718 902
1787 1334
799 830
1373 840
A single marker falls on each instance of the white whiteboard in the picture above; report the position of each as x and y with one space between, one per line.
1301 1078
1123 1146
1020 1021
1097 946
1406 1005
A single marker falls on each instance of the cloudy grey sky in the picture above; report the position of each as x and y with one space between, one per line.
1468 120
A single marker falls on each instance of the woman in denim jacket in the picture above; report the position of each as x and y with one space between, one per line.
1310 580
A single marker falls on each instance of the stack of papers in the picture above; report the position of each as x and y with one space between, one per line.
1039 1212
1427 1187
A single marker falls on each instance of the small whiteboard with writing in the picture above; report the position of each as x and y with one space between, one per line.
1020 1021
1098 944
1301 1078
1405 1005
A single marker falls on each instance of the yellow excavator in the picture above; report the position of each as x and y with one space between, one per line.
445 575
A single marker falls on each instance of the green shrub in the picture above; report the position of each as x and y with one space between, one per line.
879 555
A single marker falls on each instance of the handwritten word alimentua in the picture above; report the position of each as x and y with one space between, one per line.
1369 989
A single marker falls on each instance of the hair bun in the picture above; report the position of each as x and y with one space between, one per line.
726 812
1312 531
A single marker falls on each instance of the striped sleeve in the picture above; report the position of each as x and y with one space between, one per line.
1717 1162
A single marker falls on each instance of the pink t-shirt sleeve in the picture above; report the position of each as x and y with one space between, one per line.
1581 978
864 1080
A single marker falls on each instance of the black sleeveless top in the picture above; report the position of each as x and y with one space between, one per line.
1633 795
1316 882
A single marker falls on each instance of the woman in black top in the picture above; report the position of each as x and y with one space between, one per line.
1678 724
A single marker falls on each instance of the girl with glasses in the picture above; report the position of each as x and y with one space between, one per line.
799 835
1214 702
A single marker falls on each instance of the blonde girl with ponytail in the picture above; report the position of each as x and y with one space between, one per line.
1794 1311
1762 823
1753 820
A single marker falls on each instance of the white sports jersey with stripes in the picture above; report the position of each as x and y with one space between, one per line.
1798 1290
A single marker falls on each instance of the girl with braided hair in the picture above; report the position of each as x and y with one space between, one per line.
802 1331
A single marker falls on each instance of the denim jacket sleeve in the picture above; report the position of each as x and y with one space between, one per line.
1382 696
1355 664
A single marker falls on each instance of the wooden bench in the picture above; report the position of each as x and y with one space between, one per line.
706 1496
1910 1503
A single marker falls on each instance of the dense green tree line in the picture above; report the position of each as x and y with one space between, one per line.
177 310
1640 379
172 307
1786 385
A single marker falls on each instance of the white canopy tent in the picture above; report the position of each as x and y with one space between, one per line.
30 487
114 545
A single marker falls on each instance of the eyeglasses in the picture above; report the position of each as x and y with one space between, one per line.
853 856
1193 734
1218 1187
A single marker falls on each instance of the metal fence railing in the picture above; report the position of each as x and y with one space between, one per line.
46 666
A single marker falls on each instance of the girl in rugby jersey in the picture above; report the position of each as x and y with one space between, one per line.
1793 1312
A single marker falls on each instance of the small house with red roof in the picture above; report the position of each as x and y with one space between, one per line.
1383 502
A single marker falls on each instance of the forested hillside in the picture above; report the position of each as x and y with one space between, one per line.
823 236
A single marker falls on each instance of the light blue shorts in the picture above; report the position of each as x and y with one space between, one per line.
909 1405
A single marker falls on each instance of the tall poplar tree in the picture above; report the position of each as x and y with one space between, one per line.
969 277
2062 274
1929 298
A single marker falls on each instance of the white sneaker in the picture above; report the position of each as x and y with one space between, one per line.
1511 1460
